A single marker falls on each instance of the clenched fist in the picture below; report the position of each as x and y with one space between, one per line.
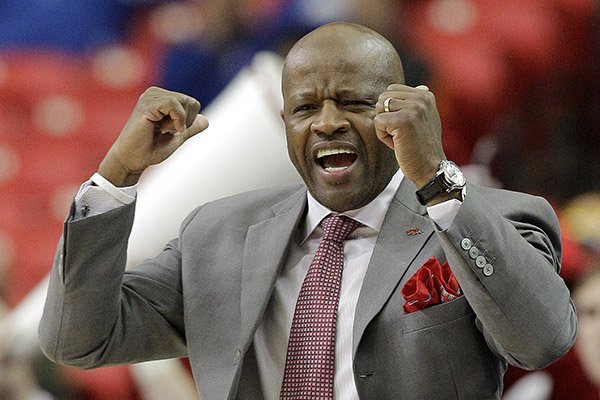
160 122
407 120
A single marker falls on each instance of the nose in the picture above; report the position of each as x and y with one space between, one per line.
330 120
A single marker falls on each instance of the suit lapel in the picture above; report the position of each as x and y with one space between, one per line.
265 251
396 247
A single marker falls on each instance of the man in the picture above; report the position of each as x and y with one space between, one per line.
230 292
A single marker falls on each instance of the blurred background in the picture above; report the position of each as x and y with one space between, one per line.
517 84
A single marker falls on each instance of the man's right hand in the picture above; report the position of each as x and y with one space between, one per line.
160 122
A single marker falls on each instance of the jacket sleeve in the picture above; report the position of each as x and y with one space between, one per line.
98 314
506 259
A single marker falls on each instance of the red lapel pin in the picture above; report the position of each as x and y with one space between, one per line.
414 231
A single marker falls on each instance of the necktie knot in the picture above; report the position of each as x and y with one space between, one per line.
337 228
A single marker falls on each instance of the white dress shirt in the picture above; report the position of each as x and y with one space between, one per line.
271 338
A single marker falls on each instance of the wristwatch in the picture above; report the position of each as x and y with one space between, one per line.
448 178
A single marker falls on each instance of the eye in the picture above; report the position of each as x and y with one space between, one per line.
357 104
304 108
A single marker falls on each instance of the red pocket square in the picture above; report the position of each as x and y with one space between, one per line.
432 284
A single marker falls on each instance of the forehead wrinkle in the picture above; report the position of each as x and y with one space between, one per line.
346 75
331 88
342 77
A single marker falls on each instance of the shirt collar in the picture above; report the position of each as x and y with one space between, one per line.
370 215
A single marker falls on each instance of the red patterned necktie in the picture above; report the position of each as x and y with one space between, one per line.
309 365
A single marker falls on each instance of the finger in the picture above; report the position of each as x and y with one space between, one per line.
400 100
192 107
392 103
389 123
169 114
398 104
405 88
385 104
382 131
177 113
200 123
386 138
399 87
402 91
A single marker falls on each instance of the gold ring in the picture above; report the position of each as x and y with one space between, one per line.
386 104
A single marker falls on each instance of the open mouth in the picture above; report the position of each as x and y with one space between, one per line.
336 159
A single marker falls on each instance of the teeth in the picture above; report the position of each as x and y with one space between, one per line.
329 152
333 169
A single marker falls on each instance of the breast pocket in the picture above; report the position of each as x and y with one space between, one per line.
436 315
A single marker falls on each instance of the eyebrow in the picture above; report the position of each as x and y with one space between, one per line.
341 93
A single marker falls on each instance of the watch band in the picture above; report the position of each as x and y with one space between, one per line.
447 179
432 189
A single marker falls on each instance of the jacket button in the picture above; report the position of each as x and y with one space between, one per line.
474 252
480 261
488 269
466 244
236 357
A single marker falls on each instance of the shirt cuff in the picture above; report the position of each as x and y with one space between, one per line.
443 213
98 195
125 195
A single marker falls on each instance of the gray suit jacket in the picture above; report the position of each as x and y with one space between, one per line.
205 295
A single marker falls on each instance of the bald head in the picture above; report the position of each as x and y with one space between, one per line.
346 41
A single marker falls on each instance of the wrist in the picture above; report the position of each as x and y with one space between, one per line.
116 174
426 173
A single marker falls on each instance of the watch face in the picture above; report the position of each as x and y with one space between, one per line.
453 175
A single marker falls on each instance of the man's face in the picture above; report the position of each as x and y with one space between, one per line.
330 93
